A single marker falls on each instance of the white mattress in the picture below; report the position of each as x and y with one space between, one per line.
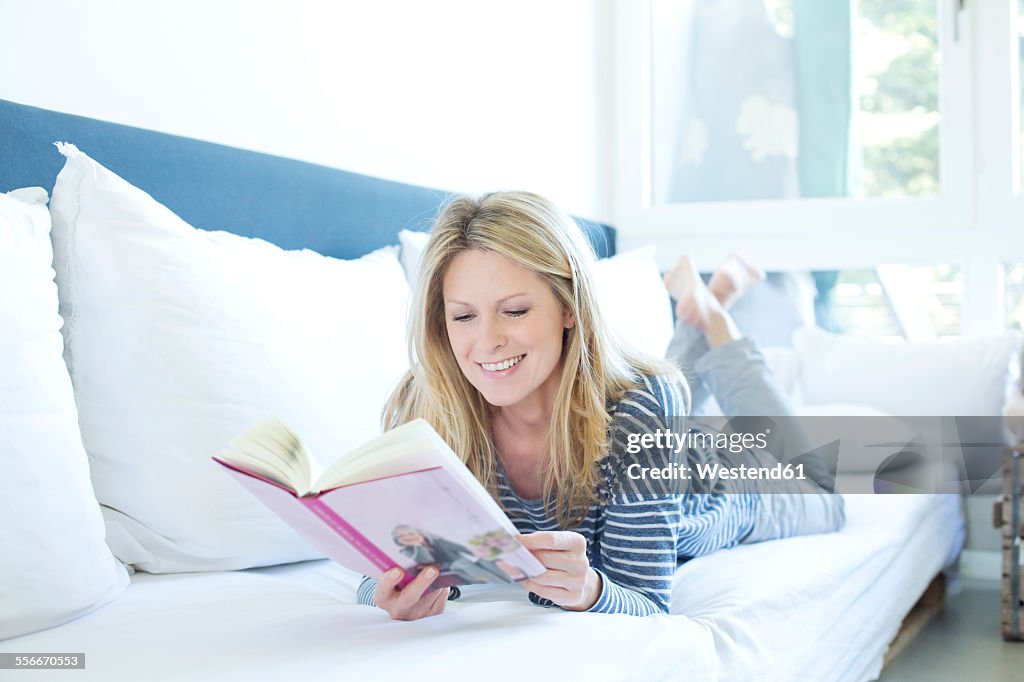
815 608
822 607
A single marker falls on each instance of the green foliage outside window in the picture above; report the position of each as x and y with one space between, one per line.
907 88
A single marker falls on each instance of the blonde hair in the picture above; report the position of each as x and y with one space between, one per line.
536 235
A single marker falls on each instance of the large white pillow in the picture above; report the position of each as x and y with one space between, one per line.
633 298
965 381
960 377
180 338
413 244
864 437
54 563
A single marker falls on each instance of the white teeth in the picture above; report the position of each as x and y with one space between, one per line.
505 364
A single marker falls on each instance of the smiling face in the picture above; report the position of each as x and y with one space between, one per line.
408 537
505 327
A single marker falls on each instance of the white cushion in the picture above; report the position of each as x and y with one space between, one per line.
960 377
54 563
413 245
179 338
859 432
633 298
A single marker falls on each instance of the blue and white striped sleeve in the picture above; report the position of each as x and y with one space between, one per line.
638 554
650 525
638 557
364 593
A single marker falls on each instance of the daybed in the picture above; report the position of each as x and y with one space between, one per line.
234 604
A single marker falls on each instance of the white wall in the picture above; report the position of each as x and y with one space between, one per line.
455 94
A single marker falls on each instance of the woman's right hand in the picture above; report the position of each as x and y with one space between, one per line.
411 602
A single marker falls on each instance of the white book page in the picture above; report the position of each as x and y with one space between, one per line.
272 450
410 447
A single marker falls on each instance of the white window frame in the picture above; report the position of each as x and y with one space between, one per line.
974 224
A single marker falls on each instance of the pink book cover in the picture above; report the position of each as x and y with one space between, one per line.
414 520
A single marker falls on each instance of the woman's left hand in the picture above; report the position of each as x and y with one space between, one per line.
569 581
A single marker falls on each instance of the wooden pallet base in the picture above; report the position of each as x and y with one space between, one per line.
1012 522
924 610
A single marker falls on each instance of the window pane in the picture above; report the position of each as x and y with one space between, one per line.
859 306
752 100
896 301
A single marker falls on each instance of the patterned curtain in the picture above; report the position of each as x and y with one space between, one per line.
740 133
767 116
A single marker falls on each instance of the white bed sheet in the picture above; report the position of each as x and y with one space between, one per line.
822 607
302 624
812 608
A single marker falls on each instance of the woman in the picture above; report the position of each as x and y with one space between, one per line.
515 368
450 558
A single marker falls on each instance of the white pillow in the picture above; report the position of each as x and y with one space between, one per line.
634 300
632 295
180 338
960 377
866 436
54 563
413 245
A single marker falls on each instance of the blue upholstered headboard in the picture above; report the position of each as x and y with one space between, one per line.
290 203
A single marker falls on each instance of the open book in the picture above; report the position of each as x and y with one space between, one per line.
403 499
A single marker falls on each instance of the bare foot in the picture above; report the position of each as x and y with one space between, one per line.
694 302
733 278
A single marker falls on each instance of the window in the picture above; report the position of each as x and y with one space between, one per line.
924 174
776 101
897 301
896 97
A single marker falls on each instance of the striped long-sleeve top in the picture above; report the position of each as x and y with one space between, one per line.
639 531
